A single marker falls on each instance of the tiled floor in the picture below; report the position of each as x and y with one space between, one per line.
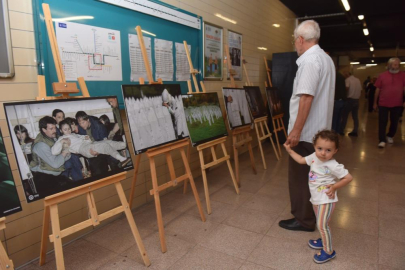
243 233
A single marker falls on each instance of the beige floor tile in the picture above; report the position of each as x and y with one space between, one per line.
176 248
388 211
219 211
251 220
201 258
252 266
393 183
358 206
386 267
29 266
392 198
393 229
274 191
228 195
344 264
232 241
267 204
122 263
364 193
281 253
354 222
391 253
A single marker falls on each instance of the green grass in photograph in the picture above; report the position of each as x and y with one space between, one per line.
202 131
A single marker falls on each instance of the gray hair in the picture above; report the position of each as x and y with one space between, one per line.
309 30
392 60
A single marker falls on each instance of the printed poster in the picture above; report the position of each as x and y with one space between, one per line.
212 52
235 53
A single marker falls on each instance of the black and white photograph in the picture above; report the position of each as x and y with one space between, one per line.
9 201
274 101
204 117
155 115
255 101
237 108
63 144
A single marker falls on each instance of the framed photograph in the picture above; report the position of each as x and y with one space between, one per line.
62 144
155 115
255 101
213 44
9 201
237 108
274 101
204 117
235 53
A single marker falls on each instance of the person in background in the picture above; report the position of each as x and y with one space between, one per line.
25 141
353 87
365 84
311 109
340 99
58 115
389 94
117 132
370 92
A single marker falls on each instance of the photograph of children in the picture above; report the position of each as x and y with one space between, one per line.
255 101
9 201
237 107
274 101
155 114
63 144
204 117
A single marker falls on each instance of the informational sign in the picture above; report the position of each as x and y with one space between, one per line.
164 59
182 65
212 52
235 53
135 55
93 53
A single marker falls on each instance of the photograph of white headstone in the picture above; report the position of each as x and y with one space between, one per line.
204 117
155 114
237 108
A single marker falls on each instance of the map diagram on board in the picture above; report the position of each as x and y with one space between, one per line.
93 53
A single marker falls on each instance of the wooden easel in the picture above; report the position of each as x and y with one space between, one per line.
5 262
166 150
260 125
278 124
51 202
211 145
241 135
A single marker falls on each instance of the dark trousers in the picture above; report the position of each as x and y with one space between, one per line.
48 184
371 100
351 106
337 114
301 207
394 114
73 168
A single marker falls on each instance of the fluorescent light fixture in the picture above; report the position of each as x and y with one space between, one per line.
372 61
262 48
361 17
371 49
148 33
225 18
354 63
74 18
346 4
362 67
276 25
370 65
402 63
365 31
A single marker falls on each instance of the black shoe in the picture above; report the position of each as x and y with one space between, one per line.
354 134
293 225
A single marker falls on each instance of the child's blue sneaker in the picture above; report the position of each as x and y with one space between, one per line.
316 244
323 257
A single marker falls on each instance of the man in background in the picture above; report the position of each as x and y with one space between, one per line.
353 87
340 100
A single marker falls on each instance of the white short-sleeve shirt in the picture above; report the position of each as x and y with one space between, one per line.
322 174
315 76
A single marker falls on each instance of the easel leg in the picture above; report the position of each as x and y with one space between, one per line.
204 176
157 204
260 145
228 162
132 224
275 133
193 187
188 158
5 262
271 140
236 159
60 264
45 234
132 194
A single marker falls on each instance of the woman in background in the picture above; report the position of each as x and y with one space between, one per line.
25 141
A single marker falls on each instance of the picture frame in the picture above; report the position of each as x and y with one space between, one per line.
237 108
235 41
255 101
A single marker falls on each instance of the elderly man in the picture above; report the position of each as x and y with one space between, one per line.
389 94
311 109
353 87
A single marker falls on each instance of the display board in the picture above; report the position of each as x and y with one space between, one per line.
9 201
274 101
255 101
107 21
237 108
155 115
204 117
6 52
68 145
235 53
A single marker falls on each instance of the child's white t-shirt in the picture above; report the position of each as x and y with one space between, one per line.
322 174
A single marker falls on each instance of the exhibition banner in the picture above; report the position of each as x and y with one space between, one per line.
213 44
235 53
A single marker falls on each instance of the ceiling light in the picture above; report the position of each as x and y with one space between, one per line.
276 25
262 48
74 18
370 65
365 31
354 63
362 67
402 63
361 17
225 18
371 49
148 33
346 4
372 61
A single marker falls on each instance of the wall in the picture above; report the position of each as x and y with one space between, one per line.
255 18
